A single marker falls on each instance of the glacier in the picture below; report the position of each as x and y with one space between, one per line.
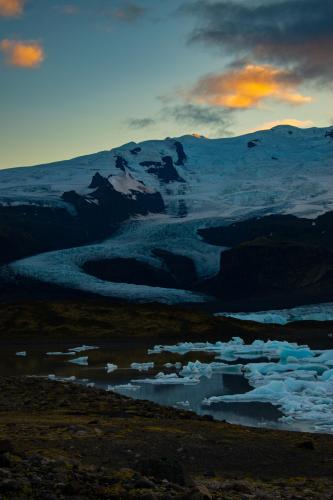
312 312
223 180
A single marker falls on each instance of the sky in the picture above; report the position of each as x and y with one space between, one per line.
81 76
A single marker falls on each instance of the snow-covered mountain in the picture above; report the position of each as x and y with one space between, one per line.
285 170
166 190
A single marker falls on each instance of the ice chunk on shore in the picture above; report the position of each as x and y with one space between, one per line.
82 361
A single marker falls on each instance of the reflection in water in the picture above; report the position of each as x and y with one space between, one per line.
122 354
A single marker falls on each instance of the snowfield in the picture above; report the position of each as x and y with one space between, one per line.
283 170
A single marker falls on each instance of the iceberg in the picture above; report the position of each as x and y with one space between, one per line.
83 348
198 369
168 379
82 361
183 405
110 367
295 378
123 387
22 354
59 353
176 365
142 367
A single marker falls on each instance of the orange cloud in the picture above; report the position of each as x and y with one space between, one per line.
9 8
22 54
247 87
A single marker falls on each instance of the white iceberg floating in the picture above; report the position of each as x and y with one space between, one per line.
198 369
142 367
184 405
61 379
296 379
83 348
235 349
59 353
168 379
110 367
123 387
82 361
176 365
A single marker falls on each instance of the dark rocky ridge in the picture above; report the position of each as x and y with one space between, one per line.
122 270
182 268
281 270
182 157
112 206
179 271
30 229
164 170
285 259
317 231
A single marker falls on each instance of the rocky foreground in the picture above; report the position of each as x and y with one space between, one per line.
60 440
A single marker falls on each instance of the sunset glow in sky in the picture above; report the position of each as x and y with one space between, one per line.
80 76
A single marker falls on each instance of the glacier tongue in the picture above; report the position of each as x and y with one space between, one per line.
313 312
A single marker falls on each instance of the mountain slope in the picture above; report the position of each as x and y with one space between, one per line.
154 196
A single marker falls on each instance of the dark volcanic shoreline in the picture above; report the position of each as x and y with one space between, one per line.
61 440
95 319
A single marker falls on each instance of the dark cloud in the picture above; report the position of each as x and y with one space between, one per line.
297 34
196 117
129 12
141 122
216 120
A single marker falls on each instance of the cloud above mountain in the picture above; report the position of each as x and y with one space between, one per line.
294 34
247 87
11 8
22 54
